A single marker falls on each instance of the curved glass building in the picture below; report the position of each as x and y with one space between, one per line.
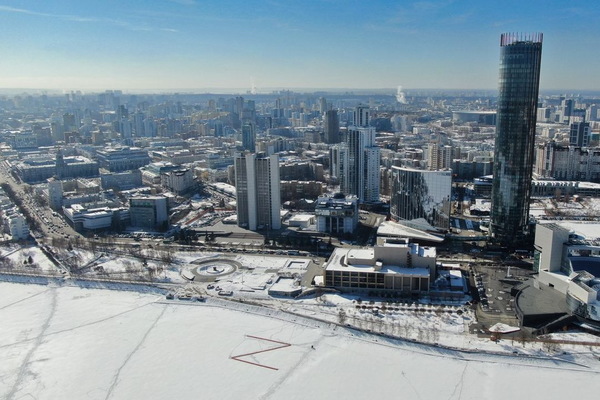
421 194
520 59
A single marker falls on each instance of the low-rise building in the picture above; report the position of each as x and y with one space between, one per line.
396 265
121 180
98 218
567 259
117 159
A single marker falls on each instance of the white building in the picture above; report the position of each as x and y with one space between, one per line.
178 181
15 224
83 218
356 162
337 214
567 162
568 260
397 266
258 193
55 193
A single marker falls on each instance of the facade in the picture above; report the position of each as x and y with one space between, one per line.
438 156
579 134
55 193
357 167
249 137
520 61
331 127
397 266
296 190
421 194
149 212
258 192
91 219
117 159
337 215
121 180
567 259
567 162
39 169
178 181
481 117
15 224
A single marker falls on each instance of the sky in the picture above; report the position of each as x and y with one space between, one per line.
193 44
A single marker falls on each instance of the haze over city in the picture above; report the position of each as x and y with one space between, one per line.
191 45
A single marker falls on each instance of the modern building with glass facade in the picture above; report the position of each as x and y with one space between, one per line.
421 194
520 60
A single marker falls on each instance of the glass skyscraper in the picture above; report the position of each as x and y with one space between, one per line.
520 58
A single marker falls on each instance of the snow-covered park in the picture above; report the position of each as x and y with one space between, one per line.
67 342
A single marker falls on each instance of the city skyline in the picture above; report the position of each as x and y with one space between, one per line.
186 45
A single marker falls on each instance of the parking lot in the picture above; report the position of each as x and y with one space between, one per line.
492 284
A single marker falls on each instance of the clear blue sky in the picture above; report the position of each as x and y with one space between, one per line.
193 44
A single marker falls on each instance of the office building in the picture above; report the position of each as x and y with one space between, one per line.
249 137
420 194
331 127
117 159
515 136
121 180
337 215
149 212
579 134
258 192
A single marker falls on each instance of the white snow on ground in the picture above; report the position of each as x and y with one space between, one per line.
73 343
20 256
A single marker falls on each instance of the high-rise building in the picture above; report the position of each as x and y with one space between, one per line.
421 194
358 158
331 126
438 156
258 193
520 60
579 134
248 137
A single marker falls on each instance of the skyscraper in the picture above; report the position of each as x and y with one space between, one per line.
579 134
357 159
332 127
520 59
258 191
248 137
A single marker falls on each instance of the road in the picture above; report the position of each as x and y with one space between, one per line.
51 225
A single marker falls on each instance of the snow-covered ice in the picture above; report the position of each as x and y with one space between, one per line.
62 342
